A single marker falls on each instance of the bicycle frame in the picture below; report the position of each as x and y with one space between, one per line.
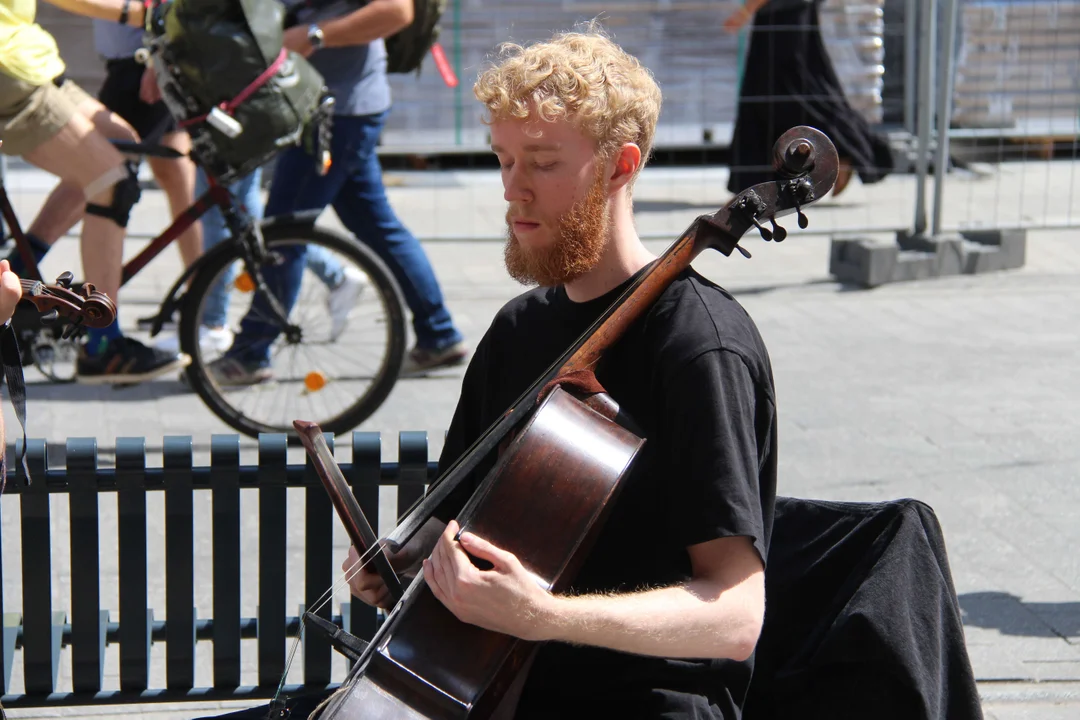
216 196
244 231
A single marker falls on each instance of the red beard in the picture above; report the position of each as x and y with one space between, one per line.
582 235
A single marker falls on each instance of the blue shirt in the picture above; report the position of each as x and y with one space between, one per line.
355 75
114 41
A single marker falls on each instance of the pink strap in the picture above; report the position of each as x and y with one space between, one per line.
231 105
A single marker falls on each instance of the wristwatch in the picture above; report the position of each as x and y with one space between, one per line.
315 36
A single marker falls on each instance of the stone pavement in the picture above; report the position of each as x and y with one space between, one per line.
959 392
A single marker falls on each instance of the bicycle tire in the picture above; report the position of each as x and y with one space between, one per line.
382 281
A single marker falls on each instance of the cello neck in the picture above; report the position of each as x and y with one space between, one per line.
638 298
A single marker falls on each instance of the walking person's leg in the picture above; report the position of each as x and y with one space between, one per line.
365 210
296 187
60 129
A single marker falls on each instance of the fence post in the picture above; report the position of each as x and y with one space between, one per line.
911 63
927 45
944 108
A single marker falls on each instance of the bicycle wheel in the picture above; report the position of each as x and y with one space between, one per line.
335 382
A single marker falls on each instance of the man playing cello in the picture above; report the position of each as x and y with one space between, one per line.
665 613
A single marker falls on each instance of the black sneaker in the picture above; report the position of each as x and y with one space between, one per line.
420 360
126 361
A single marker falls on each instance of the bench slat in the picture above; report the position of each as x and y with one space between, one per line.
225 493
320 568
87 631
135 621
272 530
40 665
179 563
364 474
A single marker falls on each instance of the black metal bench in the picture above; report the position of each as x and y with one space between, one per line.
40 630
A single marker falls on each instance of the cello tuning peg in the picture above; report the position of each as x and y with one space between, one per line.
72 330
65 279
765 234
50 317
778 232
803 220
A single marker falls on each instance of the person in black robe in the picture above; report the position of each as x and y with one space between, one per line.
789 80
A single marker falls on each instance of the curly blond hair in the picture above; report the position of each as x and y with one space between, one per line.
582 76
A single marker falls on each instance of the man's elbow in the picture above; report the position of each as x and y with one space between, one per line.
402 16
746 630
745 643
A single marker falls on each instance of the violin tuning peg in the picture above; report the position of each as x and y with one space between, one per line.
803 220
88 290
65 279
50 317
778 232
744 251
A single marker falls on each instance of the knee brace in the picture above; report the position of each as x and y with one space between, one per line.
126 191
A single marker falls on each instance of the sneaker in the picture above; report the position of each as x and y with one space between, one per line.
231 371
126 361
211 341
342 300
421 360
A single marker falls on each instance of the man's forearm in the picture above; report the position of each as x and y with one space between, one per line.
373 21
103 9
695 620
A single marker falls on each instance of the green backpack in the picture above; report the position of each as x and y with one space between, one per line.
405 50
229 82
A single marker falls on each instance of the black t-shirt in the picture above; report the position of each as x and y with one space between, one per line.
695 377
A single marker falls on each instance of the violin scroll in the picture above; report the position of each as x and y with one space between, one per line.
806 163
84 308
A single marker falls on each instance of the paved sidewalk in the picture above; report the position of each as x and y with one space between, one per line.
961 392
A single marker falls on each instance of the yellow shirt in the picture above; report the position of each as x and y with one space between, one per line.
27 51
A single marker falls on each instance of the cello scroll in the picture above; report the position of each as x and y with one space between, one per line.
86 307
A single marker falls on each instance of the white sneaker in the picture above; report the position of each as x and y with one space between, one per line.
211 340
342 300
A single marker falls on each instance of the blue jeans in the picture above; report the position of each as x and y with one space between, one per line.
245 191
354 188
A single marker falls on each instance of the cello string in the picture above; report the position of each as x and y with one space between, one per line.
343 579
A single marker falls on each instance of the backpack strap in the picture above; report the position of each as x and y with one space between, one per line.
229 106
13 375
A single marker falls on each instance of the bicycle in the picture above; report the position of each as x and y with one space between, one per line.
252 246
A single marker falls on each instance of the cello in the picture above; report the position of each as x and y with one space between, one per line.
563 449
85 307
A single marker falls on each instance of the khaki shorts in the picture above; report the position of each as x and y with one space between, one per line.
32 114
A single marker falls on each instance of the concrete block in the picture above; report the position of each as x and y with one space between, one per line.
980 258
862 261
1011 244
947 251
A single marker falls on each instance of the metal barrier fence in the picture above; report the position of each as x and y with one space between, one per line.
64 648
979 99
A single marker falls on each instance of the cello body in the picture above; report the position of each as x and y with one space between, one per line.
545 500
